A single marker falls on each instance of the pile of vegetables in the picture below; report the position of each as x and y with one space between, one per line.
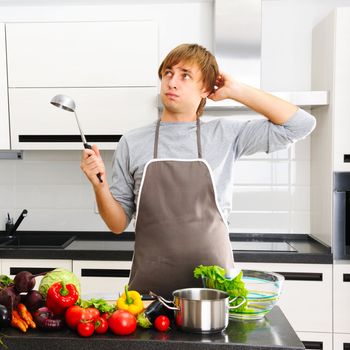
215 278
17 299
57 303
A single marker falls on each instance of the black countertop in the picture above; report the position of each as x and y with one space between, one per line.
271 333
108 246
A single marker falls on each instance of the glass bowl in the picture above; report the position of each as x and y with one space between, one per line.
264 290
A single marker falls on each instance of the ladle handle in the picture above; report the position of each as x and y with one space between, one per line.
87 146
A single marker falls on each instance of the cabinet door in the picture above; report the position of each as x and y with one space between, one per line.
104 115
102 278
321 341
341 91
306 298
341 295
4 118
82 54
341 341
11 267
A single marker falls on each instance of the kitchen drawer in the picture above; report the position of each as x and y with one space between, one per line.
316 341
341 341
82 54
106 113
341 298
306 298
102 277
11 267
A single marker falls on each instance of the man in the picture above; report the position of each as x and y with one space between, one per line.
177 173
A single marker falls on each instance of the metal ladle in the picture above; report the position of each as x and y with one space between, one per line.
67 103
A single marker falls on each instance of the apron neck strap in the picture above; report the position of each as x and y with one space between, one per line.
198 131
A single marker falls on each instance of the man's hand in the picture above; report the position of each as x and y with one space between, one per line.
224 88
278 111
91 164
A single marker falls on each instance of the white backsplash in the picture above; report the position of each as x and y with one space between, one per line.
271 192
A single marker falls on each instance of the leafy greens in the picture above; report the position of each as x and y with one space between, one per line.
214 277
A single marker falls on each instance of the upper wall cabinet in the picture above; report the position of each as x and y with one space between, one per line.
108 68
104 115
82 54
4 121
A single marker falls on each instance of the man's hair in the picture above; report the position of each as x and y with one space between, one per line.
194 53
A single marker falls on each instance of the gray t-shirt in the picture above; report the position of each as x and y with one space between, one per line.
223 142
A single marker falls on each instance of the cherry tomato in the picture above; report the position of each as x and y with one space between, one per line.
106 315
161 323
101 326
73 316
122 322
86 329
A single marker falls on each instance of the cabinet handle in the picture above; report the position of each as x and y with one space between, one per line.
346 346
302 276
32 270
68 138
105 272
346 277
313 345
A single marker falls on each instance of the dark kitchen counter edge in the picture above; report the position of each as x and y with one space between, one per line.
310 251
274 332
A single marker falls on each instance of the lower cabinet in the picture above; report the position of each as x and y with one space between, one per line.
11 267
102 278
321 341
306 298
341 341
341 300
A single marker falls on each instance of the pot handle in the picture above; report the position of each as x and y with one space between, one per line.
164 301
236 306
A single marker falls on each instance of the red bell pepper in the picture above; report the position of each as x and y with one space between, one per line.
61 296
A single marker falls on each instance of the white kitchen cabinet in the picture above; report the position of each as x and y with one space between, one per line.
11 267
331 71
102 278
322 341
341 341
36 124
306 298
4 117
82 54
330 141
341 301
108 68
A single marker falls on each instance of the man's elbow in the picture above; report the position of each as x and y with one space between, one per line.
117 230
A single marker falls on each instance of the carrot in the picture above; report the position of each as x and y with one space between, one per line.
17 322
26 315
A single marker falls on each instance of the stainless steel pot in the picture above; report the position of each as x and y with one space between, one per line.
200 310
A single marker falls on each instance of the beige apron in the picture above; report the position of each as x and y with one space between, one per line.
178 224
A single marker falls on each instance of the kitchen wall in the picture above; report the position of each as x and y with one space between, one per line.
271 191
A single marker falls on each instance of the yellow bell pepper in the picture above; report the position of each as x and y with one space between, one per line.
130 301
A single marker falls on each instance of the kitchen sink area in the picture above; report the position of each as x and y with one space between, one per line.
37 241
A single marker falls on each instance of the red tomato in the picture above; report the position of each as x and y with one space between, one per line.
86 329
73 316
122 322
101 326
91 313
161 323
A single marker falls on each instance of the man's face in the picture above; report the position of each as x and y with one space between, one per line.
182 88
